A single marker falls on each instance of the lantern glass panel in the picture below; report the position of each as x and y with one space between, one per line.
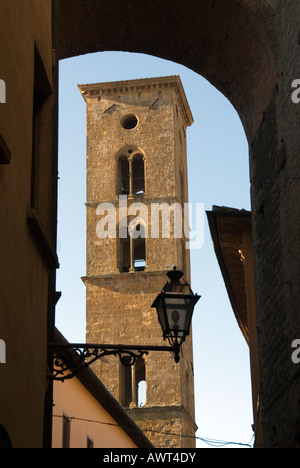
179 313
161 314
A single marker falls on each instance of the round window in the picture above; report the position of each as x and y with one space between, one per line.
129 122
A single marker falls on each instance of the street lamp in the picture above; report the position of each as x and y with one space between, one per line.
174 304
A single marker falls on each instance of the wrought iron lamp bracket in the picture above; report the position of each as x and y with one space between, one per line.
70 359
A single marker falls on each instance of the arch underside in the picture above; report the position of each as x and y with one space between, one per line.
231 43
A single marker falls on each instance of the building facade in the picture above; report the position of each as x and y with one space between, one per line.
136 191
86 415
27 199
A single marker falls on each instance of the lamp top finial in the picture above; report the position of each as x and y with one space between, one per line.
175 274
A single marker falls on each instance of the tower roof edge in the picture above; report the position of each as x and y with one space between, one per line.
136 85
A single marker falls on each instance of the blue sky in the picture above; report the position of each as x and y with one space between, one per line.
218 171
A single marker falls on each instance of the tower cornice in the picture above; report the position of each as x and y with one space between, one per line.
96 90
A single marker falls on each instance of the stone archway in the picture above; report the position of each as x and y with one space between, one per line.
231 43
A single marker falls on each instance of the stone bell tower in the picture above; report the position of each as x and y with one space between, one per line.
136 186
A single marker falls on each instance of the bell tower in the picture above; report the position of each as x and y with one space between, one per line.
136 193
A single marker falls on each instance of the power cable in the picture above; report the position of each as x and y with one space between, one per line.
212 442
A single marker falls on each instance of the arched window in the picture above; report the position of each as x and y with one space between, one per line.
142 393
133 384
138 176
125 385
139 250
125 254
124 175
140 378
132 251
131 174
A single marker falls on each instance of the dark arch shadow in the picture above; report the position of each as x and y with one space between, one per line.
230 43
4 438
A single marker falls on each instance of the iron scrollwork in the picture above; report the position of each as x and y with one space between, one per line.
69 360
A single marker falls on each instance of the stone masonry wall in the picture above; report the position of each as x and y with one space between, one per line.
118 304
275 175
